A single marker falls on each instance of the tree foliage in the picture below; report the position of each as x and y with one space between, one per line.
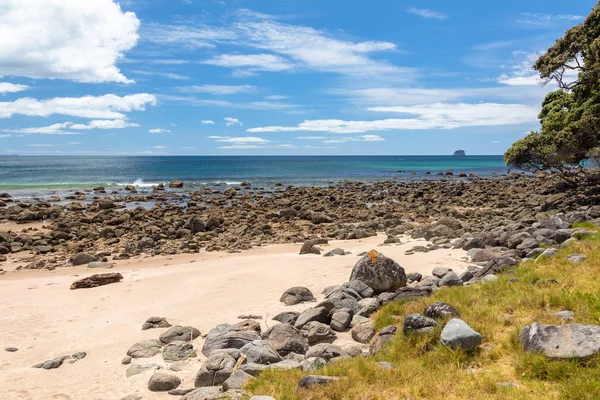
570 116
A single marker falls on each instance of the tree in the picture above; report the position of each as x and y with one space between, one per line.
570 116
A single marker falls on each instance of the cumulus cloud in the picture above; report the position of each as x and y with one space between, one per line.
208 122
425 13
218 89
6 87
239 140
251 62
232 121
109 106
363 138
60 128
159 130
65 39
105 124
430 116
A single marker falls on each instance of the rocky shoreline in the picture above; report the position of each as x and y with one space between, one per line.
100 227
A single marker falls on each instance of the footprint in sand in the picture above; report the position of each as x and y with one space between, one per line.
61 396
20 394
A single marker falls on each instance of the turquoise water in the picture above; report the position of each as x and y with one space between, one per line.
37 175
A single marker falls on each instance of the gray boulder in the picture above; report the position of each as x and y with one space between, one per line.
441 310
215 370
576 258
319 314
359 287
309 248
161 382
155 322
326 351
382 337
178 350
561 342
340 321
368 306
286 339
260 352
417 323
237 380
474 243
380 273
458 334
363 332
335 252
557 221
178 332
296 295
83 258
450 279
440 272
316 380
287 317
226 336
317 332
145 349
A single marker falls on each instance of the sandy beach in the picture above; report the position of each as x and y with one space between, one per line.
44 319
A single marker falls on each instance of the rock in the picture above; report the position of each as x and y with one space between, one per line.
566 315
178 350
83 258
440 272
317 332
417 323
359 287
52 364
497 265
203 393
260 352
386 365
458 334
155 322
368 306
130 188
237 380
489 278
382 337
548 253
326 351
161 382
248 325
480 255
414 277
319 314
440 310
557 221
180 392
363 332
215 370
225 336
474 243
313 364
137 369
340 321
254 369
97 280
576 258
315 380
309 248
450 279
176 184
126 360
287 317
262 398
335 252
379 272
145 349
286 339
180 333
561 342
296 295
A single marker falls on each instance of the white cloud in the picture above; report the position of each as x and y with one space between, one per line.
276 97
6 87
159 147
312 137
197 36
256 146
65 39
425 13
105 124
218 89
363 138
253 62
5 135
232 121
431 116
159 130
167 75
208 122
495 141
247 139
542 20
250 105
109 106
40 145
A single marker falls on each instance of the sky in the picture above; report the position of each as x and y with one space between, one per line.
258 77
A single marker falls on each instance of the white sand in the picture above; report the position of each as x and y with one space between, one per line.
44 319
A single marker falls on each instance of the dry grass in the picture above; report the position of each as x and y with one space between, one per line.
498 310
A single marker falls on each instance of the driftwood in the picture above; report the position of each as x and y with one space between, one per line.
97 280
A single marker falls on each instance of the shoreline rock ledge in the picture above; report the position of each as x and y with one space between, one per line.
561 341
380 273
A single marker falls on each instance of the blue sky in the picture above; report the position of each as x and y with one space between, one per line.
257 77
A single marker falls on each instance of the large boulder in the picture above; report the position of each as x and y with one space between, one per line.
178 350
561 342
296 295
441 310
458 334
161 382
260 352
97 280
417 323
286 339
380 273
287 317
145 349
215 370
83 258
326 351
319 314
382 337
363 332
316 380
317 332
226 336
178 332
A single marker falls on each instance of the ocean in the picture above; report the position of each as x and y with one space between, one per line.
25 176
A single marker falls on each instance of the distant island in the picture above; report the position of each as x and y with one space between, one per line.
460 153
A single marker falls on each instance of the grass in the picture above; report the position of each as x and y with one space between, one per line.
499 368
